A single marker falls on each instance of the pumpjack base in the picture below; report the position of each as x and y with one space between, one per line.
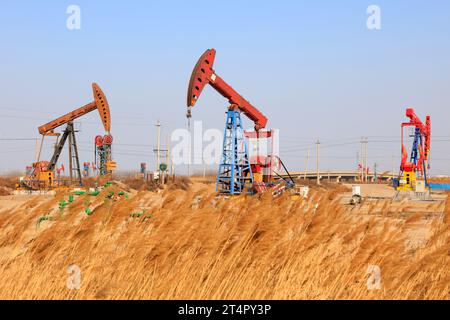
412 195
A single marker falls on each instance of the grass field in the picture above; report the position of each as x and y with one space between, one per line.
188 244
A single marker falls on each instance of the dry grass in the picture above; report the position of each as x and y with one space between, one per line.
140 184
173 183
240 248
7 185
8 182
440 180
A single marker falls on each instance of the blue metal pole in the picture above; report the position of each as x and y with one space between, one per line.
248 162
224 155
233 155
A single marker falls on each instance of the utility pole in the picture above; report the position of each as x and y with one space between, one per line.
361 159
168 162
358 163
318 161
306 164
158 145
366 156
364 160
375 176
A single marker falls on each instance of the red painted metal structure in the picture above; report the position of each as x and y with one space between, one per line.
423 145
264 164
204 74
100 103
46 168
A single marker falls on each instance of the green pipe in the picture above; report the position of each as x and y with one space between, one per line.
42 219
140 214
63 204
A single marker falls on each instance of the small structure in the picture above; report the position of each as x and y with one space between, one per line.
356 195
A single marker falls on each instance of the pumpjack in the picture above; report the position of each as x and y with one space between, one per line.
414 172
42 175
237 170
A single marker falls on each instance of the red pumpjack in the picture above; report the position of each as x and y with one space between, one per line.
262 166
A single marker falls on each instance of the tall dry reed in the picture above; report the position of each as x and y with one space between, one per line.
192 245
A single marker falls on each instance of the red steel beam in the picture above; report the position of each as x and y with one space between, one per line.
100 103
425 129
204 74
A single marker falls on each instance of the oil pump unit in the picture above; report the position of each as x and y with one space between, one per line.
413 172
43 173
236 170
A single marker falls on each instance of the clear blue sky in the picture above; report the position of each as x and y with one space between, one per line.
312 67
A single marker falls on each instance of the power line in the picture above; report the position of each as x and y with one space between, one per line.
19 139
125 153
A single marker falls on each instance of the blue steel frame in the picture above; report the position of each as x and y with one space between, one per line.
415 153
234 169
